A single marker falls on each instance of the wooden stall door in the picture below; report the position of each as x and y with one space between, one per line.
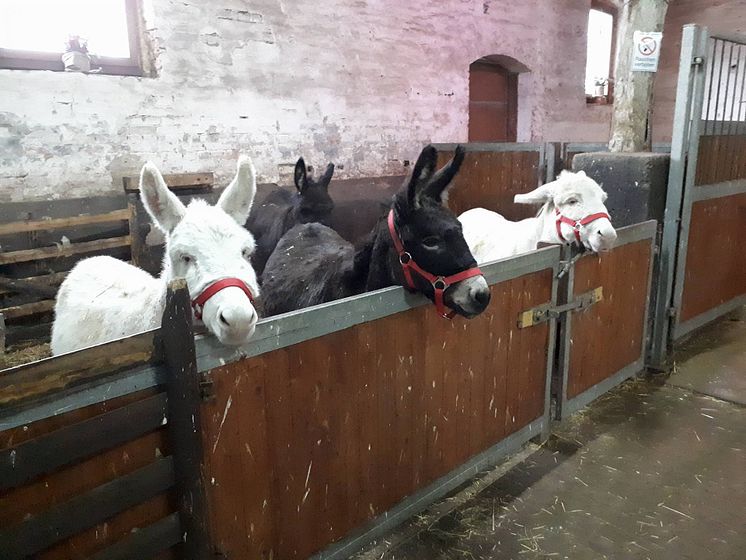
306 443
493 102
605 343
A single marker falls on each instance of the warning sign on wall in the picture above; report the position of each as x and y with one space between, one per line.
647 50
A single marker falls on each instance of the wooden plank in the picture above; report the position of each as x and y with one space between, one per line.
33 381
60 486
62 521
491 179
45 281
115 529
57 223
28 309
720 158
174 181
177 339
62 208
23 286
72 443
146 542
17 334
64 250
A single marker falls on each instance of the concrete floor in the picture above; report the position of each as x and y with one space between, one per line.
653 470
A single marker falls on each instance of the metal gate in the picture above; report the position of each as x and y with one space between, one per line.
603 336
703 261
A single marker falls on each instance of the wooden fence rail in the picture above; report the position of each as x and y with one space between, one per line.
111 479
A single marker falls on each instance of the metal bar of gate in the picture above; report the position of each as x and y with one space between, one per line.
719 177
687 119
689 180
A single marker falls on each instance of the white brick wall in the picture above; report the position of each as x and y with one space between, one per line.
362 83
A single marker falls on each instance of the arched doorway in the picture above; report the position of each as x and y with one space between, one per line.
493 99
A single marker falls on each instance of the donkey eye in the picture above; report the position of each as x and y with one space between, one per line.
187 259
246 253
572 201
431 241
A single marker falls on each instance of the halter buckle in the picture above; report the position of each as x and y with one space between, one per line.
440 283
404 258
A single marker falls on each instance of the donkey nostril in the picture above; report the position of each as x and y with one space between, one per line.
224 320
483 297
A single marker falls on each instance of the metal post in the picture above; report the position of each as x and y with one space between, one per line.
684 142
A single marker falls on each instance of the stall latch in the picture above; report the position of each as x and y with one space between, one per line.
544 313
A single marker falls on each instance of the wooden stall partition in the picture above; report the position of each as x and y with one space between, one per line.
721 158
348 417
604 339
715 267
492 174
93 449
41 241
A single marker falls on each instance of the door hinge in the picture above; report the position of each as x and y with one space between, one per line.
206 388
544 313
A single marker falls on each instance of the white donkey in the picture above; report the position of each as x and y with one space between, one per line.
103 299
573 211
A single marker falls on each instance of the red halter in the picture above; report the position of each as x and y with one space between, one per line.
577 224
440 283
198 303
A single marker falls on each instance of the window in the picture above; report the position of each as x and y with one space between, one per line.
97 36
600 53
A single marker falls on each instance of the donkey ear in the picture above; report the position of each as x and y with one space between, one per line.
421 176
238 197
537 196
163 206
301 179
327 176
438 185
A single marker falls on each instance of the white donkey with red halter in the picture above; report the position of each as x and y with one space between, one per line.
103 299
573 211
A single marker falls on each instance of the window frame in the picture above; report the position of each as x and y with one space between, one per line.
610 8
11 59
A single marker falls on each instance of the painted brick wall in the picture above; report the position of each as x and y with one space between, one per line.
362 83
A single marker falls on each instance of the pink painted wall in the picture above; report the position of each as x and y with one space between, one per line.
719 16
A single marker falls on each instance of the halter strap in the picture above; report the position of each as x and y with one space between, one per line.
439 283
577 224
198 303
